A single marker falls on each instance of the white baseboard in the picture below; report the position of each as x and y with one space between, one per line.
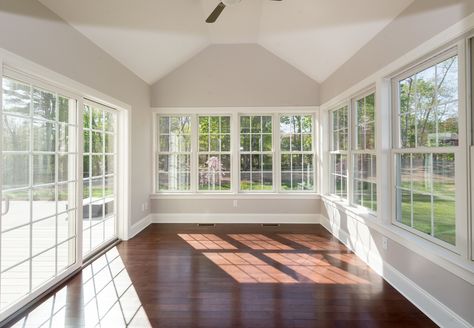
139 226
235 218
429 305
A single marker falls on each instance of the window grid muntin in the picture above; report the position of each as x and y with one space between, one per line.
398 148
219 153
260 152
301 152
186 154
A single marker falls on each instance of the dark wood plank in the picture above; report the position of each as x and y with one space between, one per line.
232 276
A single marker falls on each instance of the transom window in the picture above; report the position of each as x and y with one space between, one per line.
425 148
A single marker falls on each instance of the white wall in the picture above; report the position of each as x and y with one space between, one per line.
419 22
240 75
32 31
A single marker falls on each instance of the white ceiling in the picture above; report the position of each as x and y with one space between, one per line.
153 37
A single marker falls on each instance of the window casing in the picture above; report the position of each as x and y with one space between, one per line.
174 153
426 149
339 147
296 153
364 184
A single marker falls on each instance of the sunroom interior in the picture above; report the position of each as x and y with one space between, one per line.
244 163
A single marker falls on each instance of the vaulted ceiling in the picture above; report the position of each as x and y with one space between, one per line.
154 37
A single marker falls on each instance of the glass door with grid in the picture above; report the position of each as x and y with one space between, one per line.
38 222
99 170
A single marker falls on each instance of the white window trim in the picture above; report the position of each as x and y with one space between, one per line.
235 113
460 151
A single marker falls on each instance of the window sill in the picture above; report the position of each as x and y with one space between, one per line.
459 265
235 196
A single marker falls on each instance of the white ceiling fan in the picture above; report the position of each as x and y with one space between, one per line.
220 7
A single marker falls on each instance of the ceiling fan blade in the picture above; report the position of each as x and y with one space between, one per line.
215 14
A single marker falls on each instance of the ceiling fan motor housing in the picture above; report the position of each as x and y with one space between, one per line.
230 2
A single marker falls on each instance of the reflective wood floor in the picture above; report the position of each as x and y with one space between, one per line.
227 276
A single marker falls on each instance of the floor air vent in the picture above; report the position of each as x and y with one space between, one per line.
270 225
206 225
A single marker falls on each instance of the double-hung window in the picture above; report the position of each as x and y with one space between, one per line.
174 153
339 147
426 148
363 152
296 148
214 153
256 153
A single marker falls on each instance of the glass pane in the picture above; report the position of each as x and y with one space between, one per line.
307 142
164 125
43 235
66 254
256 142
19 209
256 124
225 142
96 119
97 142
245 124
422 212
407 95
204 124
66 226
295 142
245 181
67 110
447 115
66 167
203 143
109 121
266 124
444 217
63 138
245 162
225 124
44 104
444 175
447 78
16 133
421 173
15 284
86 166
245 142
109 186
109 143
43 169
285 142
16 97
408 130
44 202
404 207
15 171
285 125
66 198
286 180
43 268
86 117
15 247
97 165
44 136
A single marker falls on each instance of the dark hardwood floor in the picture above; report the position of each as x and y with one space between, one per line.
227 276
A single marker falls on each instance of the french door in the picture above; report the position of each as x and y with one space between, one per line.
52 213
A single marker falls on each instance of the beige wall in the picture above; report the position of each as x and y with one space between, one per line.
419 22
32 31
235 76
244 206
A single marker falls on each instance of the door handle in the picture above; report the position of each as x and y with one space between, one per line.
6 208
